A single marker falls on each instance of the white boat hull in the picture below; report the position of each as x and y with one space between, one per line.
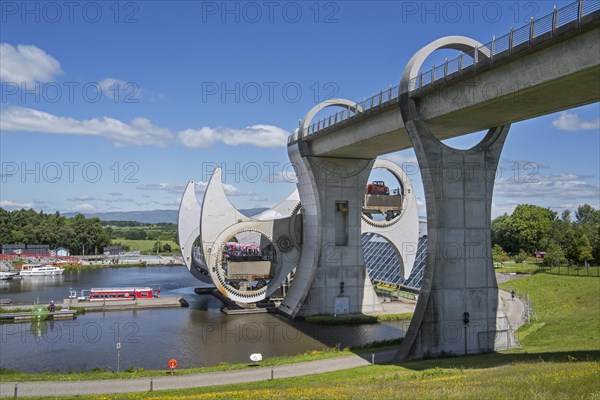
42 271
46 273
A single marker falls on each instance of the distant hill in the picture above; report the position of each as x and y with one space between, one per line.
147 217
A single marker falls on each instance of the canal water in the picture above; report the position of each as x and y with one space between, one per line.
200 335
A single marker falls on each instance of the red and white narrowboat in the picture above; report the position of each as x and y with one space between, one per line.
104 294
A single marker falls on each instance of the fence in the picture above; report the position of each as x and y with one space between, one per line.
570 270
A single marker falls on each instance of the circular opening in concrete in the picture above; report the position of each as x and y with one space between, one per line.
384 196
329 115
465 142
248 262
385 268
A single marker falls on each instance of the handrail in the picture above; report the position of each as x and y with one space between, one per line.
526 34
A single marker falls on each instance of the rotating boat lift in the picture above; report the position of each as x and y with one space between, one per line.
208 231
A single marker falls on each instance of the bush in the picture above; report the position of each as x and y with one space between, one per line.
521 257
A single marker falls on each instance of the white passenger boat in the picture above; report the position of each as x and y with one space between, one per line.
40 270
4 276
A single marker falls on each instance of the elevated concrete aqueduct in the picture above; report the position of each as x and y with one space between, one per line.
458 308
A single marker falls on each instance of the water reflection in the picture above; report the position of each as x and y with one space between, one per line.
35 283
39 328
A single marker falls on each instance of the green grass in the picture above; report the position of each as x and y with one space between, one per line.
7 374
146 246
3 310
71 268
519 268
355 319
444 379
569 308
572 271
24 309
559 358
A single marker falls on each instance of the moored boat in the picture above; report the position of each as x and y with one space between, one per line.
4 276
40 270
104 294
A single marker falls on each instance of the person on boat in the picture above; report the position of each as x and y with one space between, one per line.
158 292
52 306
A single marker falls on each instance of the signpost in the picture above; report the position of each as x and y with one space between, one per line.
256 357
172 363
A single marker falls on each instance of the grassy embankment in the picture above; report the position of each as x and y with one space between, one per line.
4 310
356 319
147 246
559 358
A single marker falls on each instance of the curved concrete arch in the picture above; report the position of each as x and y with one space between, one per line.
409 202
403 231
220 220
188 231
348 104
458 215
461 43
408 108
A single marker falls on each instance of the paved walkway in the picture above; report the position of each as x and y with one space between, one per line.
189 381
514 309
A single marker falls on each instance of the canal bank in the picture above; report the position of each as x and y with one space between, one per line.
112 305
181 381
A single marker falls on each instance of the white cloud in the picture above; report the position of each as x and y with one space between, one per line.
230 190
118 90
407 160
84 207
266 136
81 198
15 204
421 207
171 203
107 85
259 198
524 165
161 186
568 121
503 208
140 131
558 186
400 159
115 194
27 64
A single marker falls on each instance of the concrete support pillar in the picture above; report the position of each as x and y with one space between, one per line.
458 310
331 276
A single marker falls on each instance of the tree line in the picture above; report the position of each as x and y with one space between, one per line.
79 234
531 228
527 229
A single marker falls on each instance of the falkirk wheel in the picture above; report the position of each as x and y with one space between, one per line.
249 258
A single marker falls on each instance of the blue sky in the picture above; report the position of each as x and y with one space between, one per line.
115 106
